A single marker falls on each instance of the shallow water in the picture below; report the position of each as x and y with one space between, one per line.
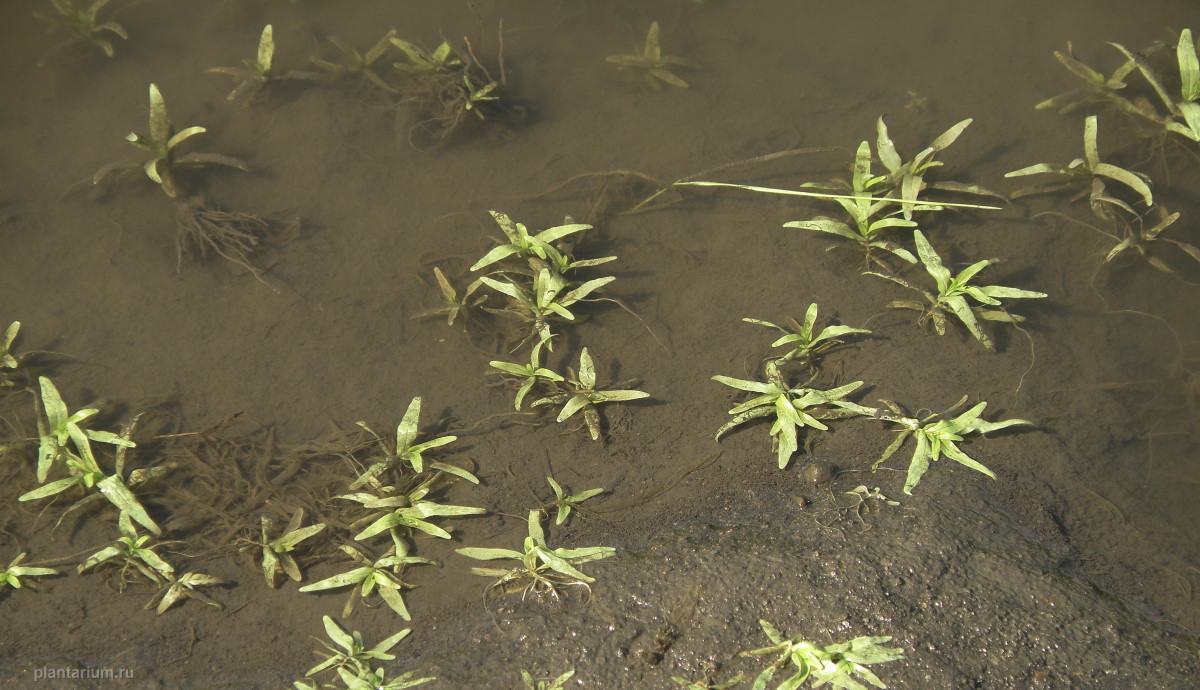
1087 534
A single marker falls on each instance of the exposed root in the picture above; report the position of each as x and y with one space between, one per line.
233 236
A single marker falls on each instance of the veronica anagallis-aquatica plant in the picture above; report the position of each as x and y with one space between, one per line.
81 465
400 512
161 143
260 72
839 665
277 559
382 574
354 656
544 567
407 452
132 552
953 291
11 576
937 437
582 395
791 408
529 375
804 343
1088 174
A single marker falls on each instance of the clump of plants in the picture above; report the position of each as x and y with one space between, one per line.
65 447
840 665
650 66
356 66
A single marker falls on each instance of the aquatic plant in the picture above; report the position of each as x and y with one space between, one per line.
1097 87
523 245
872 211
529 375
565 503
131 552
544 567
83 470
1139 240
937 437
1087 175
259 72
792 408
547 298
407 452
805 347
358 65
354 653
583 395
160 143
952 293
186 586
650 65
84 25
277 559
839 665
454 306
380 574
11 576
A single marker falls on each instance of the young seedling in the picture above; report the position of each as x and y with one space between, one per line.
558 683
420 61
525 246
354 653
1097 88
791 408
407 452
131 553
355 64
585 396
873 214
937 437
839 665
548 297
454 306
952 293
160 143
259 72
546 568
84 26
399 515
11 576
186 586
1088 174
650 65
566 503
805 347
382 574
530 374
1139 240
907 178
277 559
